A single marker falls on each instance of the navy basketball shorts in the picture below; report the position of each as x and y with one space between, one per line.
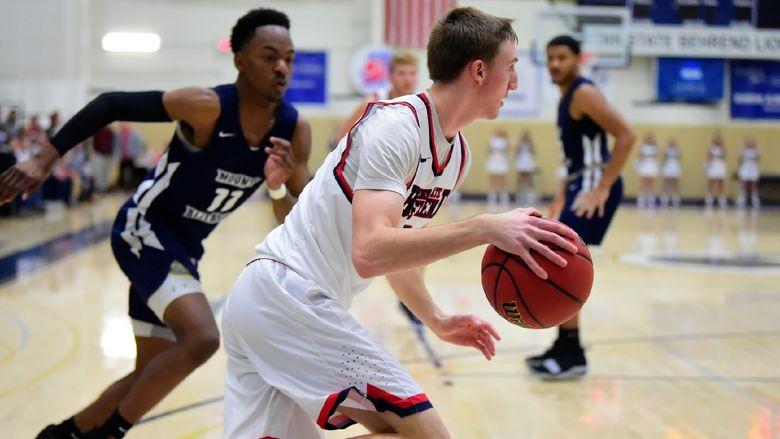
159 270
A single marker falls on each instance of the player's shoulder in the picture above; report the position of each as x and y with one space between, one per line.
587 90
401 111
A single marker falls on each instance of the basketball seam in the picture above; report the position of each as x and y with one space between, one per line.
555 248
498 277
549 282
500 267
519 295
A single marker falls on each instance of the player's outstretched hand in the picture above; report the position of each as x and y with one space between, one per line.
280 163
521 230
27 175
468 330
591 202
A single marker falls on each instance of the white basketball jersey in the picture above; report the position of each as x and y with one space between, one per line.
316 237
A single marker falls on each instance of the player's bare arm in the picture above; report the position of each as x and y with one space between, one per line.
287 163
589 101
197 107
463 330
558 201
379 247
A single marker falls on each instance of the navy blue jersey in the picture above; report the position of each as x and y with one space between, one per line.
584 143
191 191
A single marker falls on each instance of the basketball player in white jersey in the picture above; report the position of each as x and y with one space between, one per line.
298 362
403 81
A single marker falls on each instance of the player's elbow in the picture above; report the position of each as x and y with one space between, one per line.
630 137
365 262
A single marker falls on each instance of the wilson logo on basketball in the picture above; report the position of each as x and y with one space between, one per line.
424 203
511 313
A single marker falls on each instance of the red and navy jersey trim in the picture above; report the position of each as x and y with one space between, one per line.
437 169
382 401
463 157
338 171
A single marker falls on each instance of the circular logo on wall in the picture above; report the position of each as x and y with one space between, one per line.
370 70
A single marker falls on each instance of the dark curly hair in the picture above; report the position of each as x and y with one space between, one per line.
245 27
565 40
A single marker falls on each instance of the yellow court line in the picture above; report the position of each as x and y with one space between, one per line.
10 352
75 346
201 432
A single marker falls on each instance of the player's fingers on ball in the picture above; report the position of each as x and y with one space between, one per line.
533 265
548 253
557 236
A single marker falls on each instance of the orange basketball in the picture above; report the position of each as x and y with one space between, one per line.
523 298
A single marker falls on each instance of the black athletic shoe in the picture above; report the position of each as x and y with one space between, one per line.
559 364
50 432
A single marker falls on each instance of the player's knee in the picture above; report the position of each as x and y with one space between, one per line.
201 346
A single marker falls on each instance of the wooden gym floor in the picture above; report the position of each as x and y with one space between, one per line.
682 331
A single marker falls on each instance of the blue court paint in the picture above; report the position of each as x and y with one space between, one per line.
31 259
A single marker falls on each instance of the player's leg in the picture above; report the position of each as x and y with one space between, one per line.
565 359
298 342
422 425
197 339
95 414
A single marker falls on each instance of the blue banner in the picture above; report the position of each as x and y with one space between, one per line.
690 79
755 89
309 81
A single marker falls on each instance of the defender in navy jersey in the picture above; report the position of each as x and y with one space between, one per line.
591 193
228 141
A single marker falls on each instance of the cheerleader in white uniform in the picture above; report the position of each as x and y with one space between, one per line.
716 173
670 171
647 168
497 167
749 173
525 165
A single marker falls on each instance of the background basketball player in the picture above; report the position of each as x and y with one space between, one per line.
403 81
228 141
591 193
297 360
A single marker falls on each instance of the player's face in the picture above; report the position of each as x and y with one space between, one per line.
501 78
404 79
266 61
562 64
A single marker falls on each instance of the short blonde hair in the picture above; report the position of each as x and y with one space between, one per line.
403 58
